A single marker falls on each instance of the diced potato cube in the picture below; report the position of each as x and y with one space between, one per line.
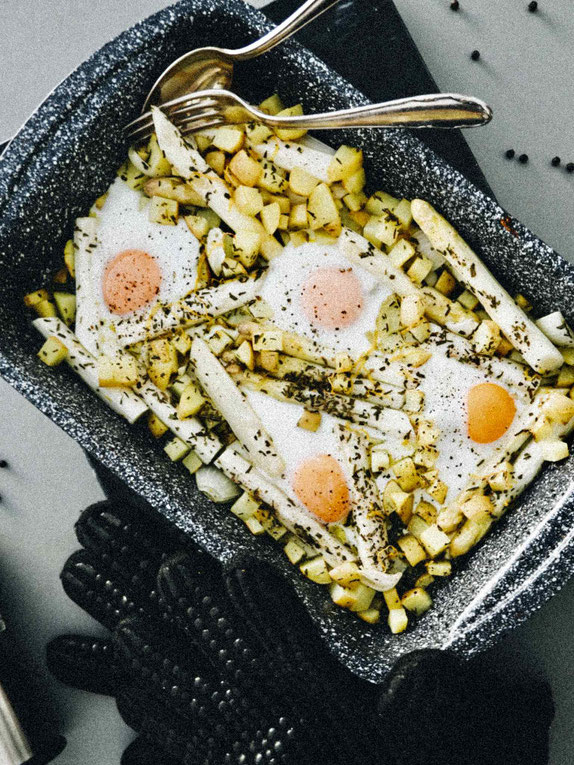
523 302
417 600
245 506
66 305
398 620
276 530
61 276
198 225
389 317
504 347
565 376
244 354
412 549
361 218
248 200
70 257
255 526
290 134
445 283
346 573
269 360
412 310
53 352
118 371
245 168
355 182
427 433
419 269
162 362
271 180
434 540
542 428
424 580
381 202
449 517
554 450
486 338
268 340
270 247
246 245
218 341
363 597
401 252
284 225
381 230
380 460
176 449
370 615
559 408
309 421
406 474
343 596
270 216
301 182
163 211
438 490
425 456
469 535
316 570
228 138
420 332
190 401
294 551
156 426
468 300
298 216
321 208
192 462
272 105
568 354
427 511
354 203
45 309
501 479
414 400
477 506
216 160
392 598
346 161
417 525
439 567
403 212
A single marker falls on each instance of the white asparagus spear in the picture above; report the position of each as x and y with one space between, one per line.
556 329
293 516
196 308
189 164
526 337
190 430
230 401
122 400
391 422
290 154
370 525
87 320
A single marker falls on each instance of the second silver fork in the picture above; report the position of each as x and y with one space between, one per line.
211 108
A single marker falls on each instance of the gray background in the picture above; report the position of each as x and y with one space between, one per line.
526 73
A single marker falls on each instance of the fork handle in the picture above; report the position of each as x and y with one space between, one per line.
443 110
310 10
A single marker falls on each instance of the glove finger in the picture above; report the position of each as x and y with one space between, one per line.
84 662
144 752
96 592
185 678
203 610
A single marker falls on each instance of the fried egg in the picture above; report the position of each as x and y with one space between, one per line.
132 265
316 476
314 291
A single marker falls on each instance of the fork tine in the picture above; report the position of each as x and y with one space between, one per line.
186 125
143 126
202 126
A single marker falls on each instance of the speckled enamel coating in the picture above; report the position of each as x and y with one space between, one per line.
66 155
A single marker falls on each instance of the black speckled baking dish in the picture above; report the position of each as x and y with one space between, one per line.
67 154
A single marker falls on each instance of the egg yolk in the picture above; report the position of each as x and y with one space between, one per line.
491 410
131 280
332 297
320 485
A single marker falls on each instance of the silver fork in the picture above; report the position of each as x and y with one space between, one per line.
211 108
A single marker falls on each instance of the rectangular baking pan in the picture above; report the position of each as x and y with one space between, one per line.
67 154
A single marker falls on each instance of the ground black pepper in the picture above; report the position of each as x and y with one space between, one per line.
533 6
455 5
555 161
570 167
523 159
509 153
475 55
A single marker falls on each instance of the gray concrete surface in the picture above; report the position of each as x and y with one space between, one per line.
526 72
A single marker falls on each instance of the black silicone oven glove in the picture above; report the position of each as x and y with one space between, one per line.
214 666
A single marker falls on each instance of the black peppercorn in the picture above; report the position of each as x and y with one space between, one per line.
3 464
555 161
523 159
570 167
509 153
533 6
455 5
475 55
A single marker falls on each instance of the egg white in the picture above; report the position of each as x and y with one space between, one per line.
123 224
282 290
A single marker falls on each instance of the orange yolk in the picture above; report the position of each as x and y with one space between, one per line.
491 410
131 280
332 297
320 485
